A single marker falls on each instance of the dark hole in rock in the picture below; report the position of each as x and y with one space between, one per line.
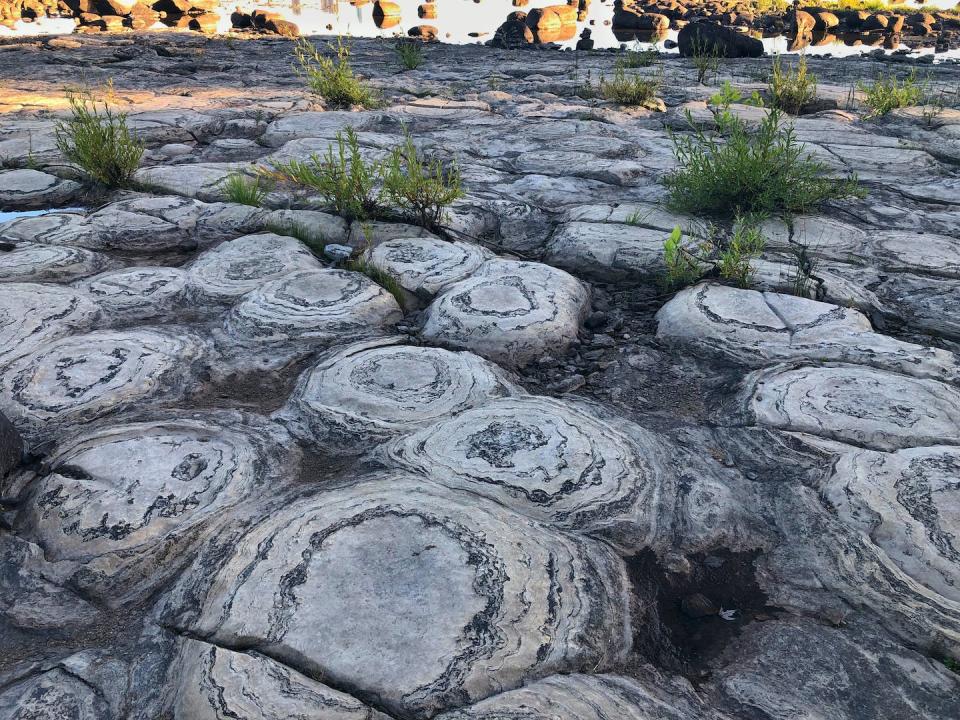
689 630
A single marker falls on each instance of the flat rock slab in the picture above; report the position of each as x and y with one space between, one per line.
81 378
758 328
138 293
594 697
361 395
106 230
212 683
908 503
510 312
308 310
127 501
53 695
234 268
26 189
553 460
33 313
399 590
32 262
426 266
857 405
203 181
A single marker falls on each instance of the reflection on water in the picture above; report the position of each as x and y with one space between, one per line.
5 216
471 21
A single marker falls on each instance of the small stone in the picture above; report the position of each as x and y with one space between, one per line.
337 253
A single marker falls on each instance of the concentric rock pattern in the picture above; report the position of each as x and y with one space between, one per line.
127 501
508 311
397 589
369 392
546 458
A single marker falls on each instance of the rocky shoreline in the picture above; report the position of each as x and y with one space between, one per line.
240 479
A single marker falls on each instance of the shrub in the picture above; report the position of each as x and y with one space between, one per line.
245 190
342 177
629 90
682 266
791 88
638 58
886 93
742 169
724 254
745 243
409 54
706 58
422 187
332 78
100 143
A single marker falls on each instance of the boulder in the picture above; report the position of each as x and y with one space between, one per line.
718 39
138 293
511 312
427 266
27 189
31 262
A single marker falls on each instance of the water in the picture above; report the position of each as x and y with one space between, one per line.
7 216
459 22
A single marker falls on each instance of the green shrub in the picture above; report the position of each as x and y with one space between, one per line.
726 254
791 88
342 177
682 266
886 93
240 188
409 54
742 169
100 143
630 59
332 78
629 90
424 188
745 243
706 58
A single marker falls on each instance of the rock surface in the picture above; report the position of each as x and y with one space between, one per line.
397 590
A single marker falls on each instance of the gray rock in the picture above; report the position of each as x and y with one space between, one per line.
85 377
757 329
53 695
32 262
369 392
32 314
908 503
555 461
107 229
851 404
138 293
212 683
426 266
594 697
326 228
305 311
202 181
337 253
511 312
396 589
779 670
236 267
27 189
11 446
126 502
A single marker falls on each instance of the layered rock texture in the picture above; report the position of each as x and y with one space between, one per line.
484 471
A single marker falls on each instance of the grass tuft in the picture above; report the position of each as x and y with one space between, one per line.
706 58
629 90
99 142
245 190
409 54
742 169
332 78
301 232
